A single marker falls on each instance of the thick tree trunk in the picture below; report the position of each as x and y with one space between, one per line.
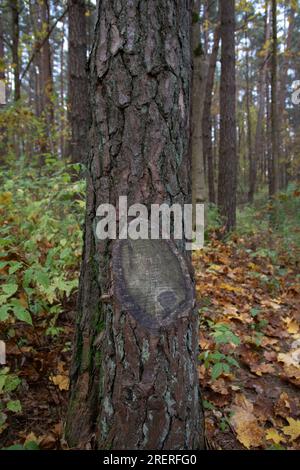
15 32
133 387
227 180
199 84
207 119
78 89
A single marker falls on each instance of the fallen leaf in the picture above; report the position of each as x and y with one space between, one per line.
293 429
290 359
62 381
273 435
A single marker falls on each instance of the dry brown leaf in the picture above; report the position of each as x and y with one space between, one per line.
290 359
245 424
62 381
263 369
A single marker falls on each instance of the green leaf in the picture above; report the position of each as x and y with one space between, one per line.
10 289
14 405
31 445
207 405
254 311
4 312
217 370
20 312
11 383
14 447
232 361
14 266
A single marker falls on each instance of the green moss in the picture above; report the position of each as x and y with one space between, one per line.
198 51
195 18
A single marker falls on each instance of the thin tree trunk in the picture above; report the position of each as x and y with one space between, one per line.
2 66
207 119
227 180
15 32
282 98
46 65
62 93
274 176
199 84
258 144
251 156
78 89
132 387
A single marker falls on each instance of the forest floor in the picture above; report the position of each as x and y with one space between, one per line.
248 292
250 341
249 372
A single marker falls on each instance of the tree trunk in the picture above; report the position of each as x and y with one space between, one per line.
251 157
78 89
274 176
199 84
207 119
2 66
45 64
15 32
227 180
259 132
133 386
282 116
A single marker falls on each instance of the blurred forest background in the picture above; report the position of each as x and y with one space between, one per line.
249 268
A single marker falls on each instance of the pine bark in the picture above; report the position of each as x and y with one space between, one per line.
132 388
227 178
78 87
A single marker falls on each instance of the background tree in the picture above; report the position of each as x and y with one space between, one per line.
227 178
78 85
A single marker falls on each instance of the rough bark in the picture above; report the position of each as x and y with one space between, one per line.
132 388
199 83
78 89
15 32
227 178
207 119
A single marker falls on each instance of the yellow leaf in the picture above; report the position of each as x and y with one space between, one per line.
272 435
245 424
290 359
62 381
293 429
292 325
5 198
230 288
